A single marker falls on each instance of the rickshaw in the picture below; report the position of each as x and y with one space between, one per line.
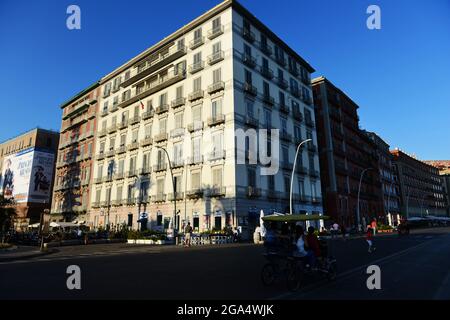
280 257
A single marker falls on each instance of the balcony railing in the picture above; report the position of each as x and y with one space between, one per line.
178 132
307 99
309 122
178 102
160 167
312 147
160 137
113 108
159 197
267 99
199 94
122 125
282 83
176 196
215 32
146 142
134 120
195 126
217 192
104 113
248 35
281 60
306 80
195 160
285 136
295 92
284 108
217 155
266 49
314 173
145 170
148 114
196 67
250 89
266 73
194 193
216 57
297 114
248 60
119 176
111 153
251 121
162 108
286 165
121 149
163 59
215 87
197 42
102 132
216 120
98 180
112 128
100 156
301 169
132 173
133 146
253 192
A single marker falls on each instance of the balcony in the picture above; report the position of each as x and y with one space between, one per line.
96 204
216 57
130 201
312 147
195 160
100 156
102 133
306 81
309 122
159 197
121 149
178 102
114 108
217 155
296 113
316 200
143 199
111 153
116 202
272 194
248 60
107 178
160 83
250 89
98 180
133 146
112 128
216 120
119 176
217 192
314 173
266 73
295 92
253 192
284 108
163 59
122 125
162 109
194 193
266 49
197 42
177 163
195 126
160 137
87 156
145 171
294 71
160 167
267 99
307 99
196 67
199 94
215 87
176 133
146 142
177 196
286 165
285 136
251 121
248 35
215 32
132 174
282 83
104 113
301 169
280 60
134 120
148 114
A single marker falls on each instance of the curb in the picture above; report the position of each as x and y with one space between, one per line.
26 257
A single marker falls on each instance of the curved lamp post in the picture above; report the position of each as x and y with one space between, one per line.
359 192
293 172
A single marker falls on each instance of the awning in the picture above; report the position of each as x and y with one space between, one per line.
63 224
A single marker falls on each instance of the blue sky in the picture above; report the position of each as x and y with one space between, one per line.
398 75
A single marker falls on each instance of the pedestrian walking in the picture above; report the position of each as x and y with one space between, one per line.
369 239
187 235
373 225
334 230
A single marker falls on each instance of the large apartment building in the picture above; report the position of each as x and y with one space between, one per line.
444 174
27 165
187 95
347 156
71 197
421 188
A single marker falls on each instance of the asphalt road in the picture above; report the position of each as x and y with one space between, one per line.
413 267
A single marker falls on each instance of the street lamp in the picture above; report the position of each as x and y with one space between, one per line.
359 192
293 172
174 189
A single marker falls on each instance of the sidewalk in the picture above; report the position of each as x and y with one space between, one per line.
21 252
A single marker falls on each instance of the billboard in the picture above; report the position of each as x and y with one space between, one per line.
27 176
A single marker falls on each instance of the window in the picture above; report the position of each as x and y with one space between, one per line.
217 177
133 163
271 182
160 186
216 47
163 99
313 190
124 116
217 75
98 194
266 89
102 147
301 188
163 126
119 193
283 122
130 192
248 77
216 23
149 105
263 40
297 132
246 25
114 120
179 92
195 181
282 98
280 74
216 109
287 184
178 183
180 44
112 143
104 124
143 190
197 114
251 177
179 120
136 111
311 162
121 166
105 106
268 118
198 34
250 108
161 157
99 171
196 147
217 140
123 140
285 152
146 161
197 59
178 152
148 131
294 85
116 100
247 50
265 63
197 84
134 136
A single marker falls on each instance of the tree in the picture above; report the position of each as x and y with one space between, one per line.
7 213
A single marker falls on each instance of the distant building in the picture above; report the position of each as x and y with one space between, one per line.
27 165
389 180
444 172
421 188
345 152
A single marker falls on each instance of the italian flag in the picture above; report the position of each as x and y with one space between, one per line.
141 104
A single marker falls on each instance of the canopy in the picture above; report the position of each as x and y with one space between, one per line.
35 225
295 217
62 224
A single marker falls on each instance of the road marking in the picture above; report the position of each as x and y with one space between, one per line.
346 274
